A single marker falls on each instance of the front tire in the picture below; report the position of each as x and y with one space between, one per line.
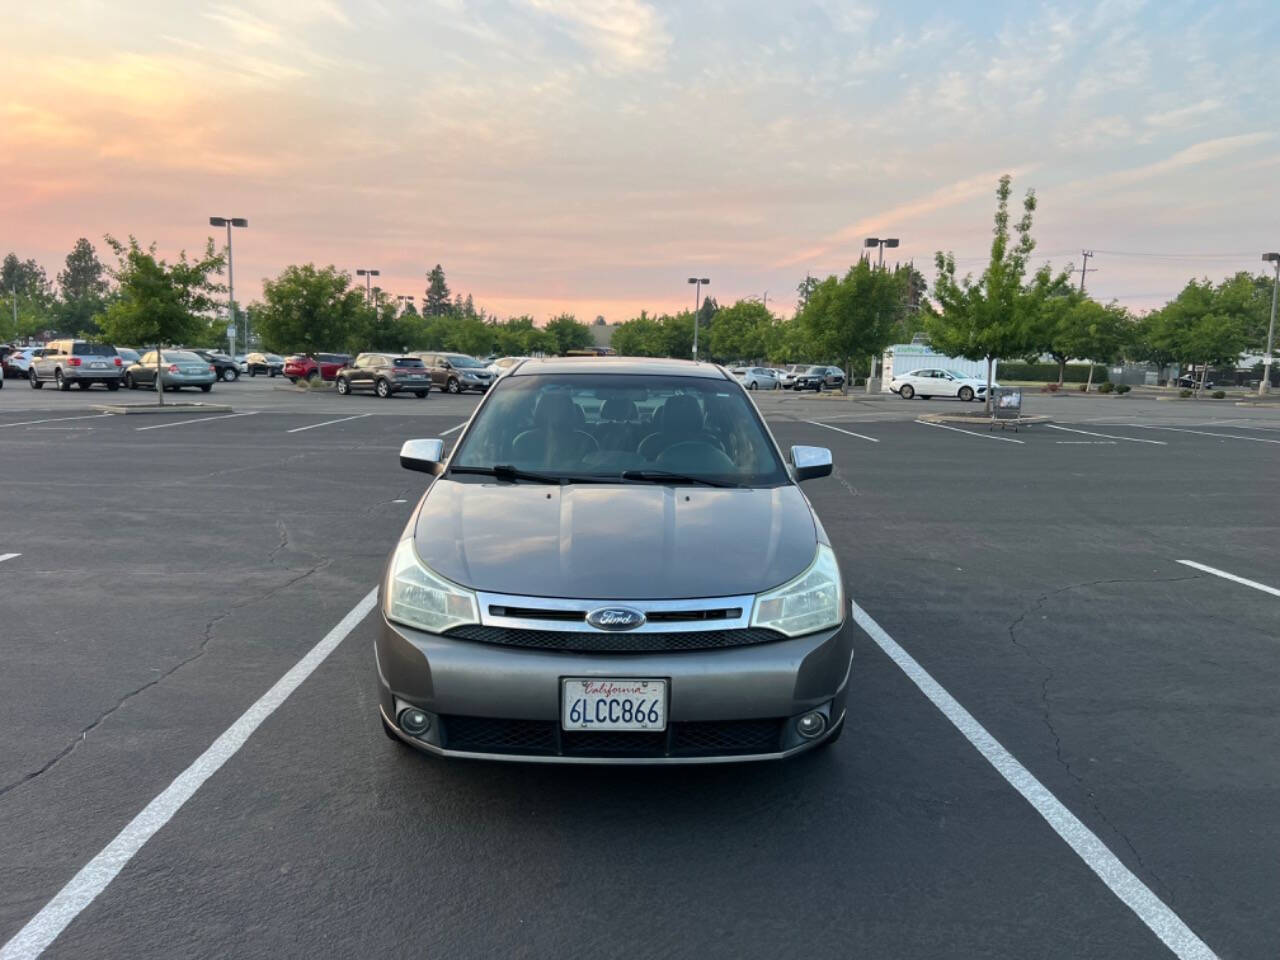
35 381
342 386
383 389
965 394
420 394
906 391
453 386
128 382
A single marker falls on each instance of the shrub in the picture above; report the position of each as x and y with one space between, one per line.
1107 387
1219 394
1084 388
1074 373
1121 387
1049 388
1184 392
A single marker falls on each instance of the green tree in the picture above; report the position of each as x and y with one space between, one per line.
436 302
641 336
854 316
1093 332
23 283
82 289
741 332
804 290
161 303
470 335
568 333
992 317
677 334
308 309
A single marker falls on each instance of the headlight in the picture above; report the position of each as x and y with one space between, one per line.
418 598
812 601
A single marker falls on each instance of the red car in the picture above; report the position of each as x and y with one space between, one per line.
324 365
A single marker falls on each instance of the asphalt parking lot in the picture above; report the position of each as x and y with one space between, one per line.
159 575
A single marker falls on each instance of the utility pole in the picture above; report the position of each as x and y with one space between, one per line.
1084 267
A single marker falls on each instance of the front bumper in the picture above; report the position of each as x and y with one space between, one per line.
503 703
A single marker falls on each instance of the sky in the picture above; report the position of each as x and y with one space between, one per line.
590 155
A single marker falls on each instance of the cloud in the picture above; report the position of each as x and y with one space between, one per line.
1193 155
625 34
953 194
1181 118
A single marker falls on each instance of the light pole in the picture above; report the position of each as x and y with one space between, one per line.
880 242
230 222
1265 386
368 279
697 303
877 242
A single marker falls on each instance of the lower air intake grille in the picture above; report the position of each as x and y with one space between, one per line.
614 642
544 738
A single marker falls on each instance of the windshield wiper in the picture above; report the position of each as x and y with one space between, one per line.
505 471
665 476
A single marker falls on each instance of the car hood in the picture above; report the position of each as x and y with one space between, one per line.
614 542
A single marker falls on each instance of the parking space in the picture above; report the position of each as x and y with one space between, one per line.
1064 584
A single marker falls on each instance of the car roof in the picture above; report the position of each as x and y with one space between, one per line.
655 366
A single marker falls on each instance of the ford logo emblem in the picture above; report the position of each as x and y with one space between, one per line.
615 618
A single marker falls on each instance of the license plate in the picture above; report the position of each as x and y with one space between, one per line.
603 704
98 366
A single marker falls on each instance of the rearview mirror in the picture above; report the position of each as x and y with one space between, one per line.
807 462
424 456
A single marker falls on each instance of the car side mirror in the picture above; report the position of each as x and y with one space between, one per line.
807 462
424 456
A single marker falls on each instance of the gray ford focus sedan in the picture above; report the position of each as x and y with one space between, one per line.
615 565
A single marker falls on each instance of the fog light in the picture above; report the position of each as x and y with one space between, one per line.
811 725
414 722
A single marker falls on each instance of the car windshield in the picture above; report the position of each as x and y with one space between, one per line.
464 361
641 428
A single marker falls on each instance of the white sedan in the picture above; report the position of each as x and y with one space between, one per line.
756 378
504 365
935 382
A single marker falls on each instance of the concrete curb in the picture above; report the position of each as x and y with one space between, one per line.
144 409
1266 404
981 420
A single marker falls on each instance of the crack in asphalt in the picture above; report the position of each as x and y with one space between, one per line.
1046 710
201 650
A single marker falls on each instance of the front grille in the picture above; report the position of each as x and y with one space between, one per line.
544 738
620 642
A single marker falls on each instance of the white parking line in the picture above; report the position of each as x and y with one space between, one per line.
328 422
838 430
445 433
1203 433
27 423
1108 436
42 929
1220 573
1150 909
183 423
988 436
8 556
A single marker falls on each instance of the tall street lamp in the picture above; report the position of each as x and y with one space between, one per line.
1265 386
368 279
230 222
698 284
886 242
